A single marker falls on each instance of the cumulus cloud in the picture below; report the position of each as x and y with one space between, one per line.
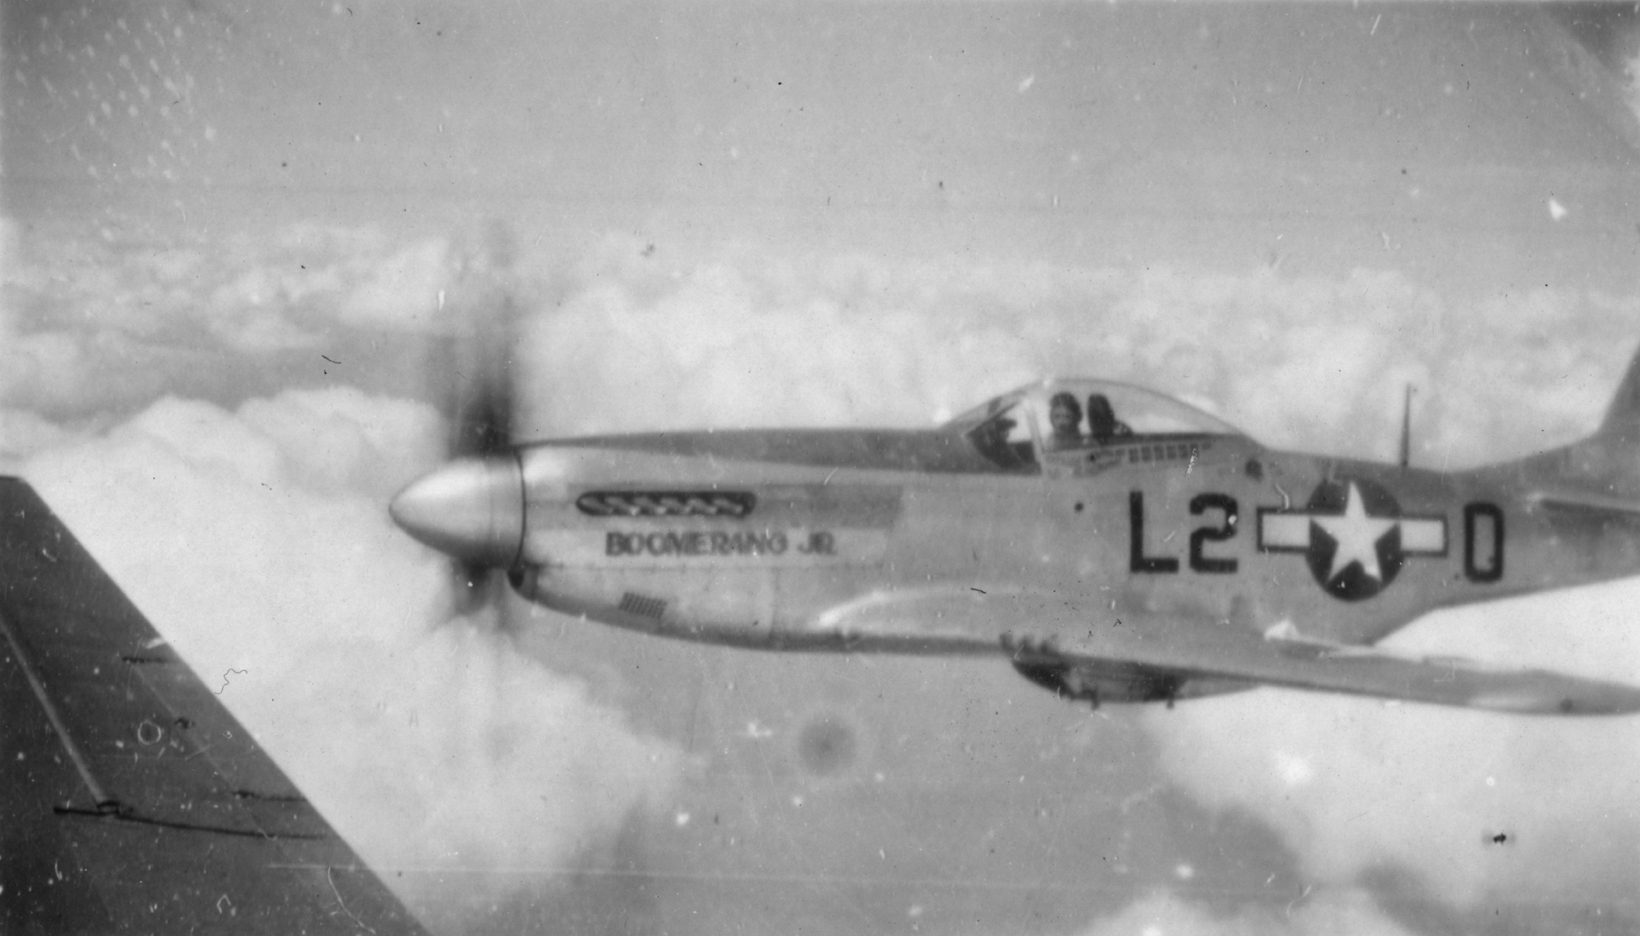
753 335
257 542
1481 807
111 323
1330 911
404 290
23 433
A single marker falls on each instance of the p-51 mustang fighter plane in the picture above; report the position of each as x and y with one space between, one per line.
1113 544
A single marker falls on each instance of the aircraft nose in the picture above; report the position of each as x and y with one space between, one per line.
471 509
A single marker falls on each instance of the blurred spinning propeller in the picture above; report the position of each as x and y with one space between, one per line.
482 426
471 508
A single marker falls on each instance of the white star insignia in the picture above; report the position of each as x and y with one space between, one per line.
1357 534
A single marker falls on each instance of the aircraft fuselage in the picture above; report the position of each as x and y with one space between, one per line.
689 536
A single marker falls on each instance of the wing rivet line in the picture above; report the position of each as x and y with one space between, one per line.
99 796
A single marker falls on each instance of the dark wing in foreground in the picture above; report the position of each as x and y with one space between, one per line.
1159 656
130 799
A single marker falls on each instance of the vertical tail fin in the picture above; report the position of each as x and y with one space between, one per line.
1622 424
1602 472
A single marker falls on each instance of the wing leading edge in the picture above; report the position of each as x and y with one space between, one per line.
1041 631
131 800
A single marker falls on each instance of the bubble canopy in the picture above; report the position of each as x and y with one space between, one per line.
1012 428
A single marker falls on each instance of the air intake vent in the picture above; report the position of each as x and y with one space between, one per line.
732 504
642 605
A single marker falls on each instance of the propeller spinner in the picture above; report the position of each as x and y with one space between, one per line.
471 510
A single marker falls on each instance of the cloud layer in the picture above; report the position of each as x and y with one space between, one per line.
1337 911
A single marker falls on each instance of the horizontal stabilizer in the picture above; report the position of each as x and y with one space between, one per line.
1579 500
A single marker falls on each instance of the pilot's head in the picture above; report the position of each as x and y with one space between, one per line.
1065 415
1101 417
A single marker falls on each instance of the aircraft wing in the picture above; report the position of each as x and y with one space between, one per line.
1582 500
130 799
1039 630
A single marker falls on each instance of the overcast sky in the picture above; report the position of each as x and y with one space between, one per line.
238 237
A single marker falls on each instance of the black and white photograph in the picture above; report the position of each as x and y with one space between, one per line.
833 467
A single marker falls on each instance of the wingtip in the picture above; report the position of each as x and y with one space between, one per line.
1591 698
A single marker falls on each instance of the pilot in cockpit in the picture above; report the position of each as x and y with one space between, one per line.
1065 417
1102 422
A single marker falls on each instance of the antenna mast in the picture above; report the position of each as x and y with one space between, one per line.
1406 427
